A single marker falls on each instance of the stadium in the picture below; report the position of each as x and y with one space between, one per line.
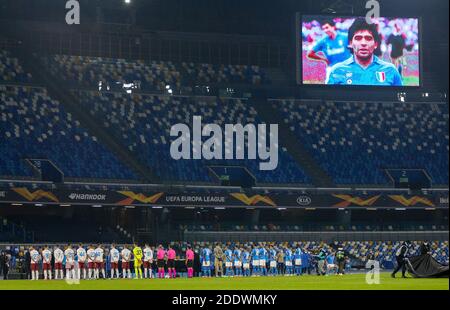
223 145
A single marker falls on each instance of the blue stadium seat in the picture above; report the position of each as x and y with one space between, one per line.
32 125
354 141
11 70
142 123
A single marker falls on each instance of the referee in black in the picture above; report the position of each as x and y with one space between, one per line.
402 260
5 261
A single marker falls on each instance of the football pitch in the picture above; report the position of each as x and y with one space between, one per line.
306 282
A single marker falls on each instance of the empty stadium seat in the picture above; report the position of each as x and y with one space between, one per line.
142 123
355 141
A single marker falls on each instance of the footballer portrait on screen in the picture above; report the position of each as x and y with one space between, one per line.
363 67
351 51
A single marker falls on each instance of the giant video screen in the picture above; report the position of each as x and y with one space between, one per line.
350 51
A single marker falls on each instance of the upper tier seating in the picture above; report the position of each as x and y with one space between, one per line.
11 70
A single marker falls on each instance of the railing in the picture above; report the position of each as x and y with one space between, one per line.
314 236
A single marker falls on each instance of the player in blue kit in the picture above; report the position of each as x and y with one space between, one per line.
272 261
206 262
263 258
298 261
364 68
246 263
228 262
288 262
333 48
255 261
237 262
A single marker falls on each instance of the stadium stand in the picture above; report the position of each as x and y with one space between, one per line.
140 121
280 227
12 232
384 251
35 126
99 101
354 141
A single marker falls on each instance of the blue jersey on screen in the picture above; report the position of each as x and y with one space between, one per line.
335 50
378 73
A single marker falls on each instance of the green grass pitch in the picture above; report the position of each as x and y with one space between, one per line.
313 282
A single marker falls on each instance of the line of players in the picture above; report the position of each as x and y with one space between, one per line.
90 262
259 261
250 261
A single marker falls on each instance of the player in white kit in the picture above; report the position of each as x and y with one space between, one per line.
126 257
47 263
91 261
81 254
59 257
70 262
114 258
35 259
99 262
148 261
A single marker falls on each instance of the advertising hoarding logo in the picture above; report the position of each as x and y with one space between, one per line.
304 200
350 200
411 202
254 200
77 196
138 197
35 196
195 199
